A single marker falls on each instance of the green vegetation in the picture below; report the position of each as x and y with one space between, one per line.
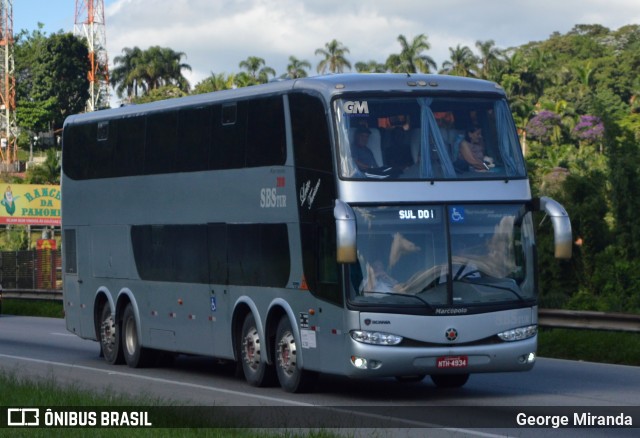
46 393
48 309
590 346
575 99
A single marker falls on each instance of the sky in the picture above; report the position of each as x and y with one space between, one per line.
216 35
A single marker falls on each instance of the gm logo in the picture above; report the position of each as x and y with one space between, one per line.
356 107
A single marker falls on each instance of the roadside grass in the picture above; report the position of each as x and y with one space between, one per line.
49 309
22 392
590 346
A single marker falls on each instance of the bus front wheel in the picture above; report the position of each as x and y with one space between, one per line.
292 378
109 334
252 355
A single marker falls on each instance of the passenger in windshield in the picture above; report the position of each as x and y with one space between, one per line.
377 278
361 154
472 151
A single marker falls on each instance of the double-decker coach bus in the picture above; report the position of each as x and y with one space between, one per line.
332 224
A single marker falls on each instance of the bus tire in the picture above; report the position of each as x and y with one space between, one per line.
135 355
109 337
449 380
292 378
252 353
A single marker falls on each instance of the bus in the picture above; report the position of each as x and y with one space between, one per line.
243 226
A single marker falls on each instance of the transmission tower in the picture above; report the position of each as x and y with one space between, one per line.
90 24
8 126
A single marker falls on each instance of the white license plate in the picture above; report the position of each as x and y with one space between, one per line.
452 362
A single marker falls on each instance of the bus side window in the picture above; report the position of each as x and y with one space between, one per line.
129 149
266 140
229 137
161 143
194 139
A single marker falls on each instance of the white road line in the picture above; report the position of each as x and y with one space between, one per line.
157 380
412 423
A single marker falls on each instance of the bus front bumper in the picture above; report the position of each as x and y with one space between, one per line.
364 360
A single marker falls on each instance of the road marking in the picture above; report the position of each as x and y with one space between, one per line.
158 380
63 334
413 423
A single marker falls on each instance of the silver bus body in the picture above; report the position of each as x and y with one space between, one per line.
238 225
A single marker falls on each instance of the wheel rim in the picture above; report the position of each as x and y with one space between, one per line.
287 353
130 336
108 334
251 348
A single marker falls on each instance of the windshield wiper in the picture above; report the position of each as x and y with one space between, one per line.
426 303
490 285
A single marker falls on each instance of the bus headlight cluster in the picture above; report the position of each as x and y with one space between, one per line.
519 333
375 338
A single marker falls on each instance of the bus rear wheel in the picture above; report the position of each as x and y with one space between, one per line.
252 353
109 336
135 355
449 380
292 378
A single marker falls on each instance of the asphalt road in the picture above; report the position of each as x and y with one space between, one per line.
42 348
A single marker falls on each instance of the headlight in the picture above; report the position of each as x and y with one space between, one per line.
375 338
519 334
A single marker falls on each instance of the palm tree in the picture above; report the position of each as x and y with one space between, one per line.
144 70
257 70
123 75
161 66
297 68
411 59
462 62
488 57
334 57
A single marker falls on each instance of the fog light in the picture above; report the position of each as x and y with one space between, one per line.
527 358
374 364
359 362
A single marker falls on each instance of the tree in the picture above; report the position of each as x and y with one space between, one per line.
257 70
489 56
370 67
51 76
462 62
137 72
123 75
411 59
334 57
297 68
48 172
215 82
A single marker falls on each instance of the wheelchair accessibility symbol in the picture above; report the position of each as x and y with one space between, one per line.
457 214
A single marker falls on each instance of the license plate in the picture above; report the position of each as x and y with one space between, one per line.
452 362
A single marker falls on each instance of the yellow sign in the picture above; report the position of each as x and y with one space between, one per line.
29 204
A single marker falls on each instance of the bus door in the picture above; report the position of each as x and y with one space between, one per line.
74 267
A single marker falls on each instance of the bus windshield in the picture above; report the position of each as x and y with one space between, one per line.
427 138
443 256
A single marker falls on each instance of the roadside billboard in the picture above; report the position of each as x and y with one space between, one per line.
29 204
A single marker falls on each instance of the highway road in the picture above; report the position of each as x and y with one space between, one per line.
42 348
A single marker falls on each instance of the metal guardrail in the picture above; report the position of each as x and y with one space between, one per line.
41 294
551 318
587 320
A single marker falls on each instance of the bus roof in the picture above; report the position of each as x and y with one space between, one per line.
327 85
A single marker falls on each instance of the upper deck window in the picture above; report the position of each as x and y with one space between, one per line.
427 138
